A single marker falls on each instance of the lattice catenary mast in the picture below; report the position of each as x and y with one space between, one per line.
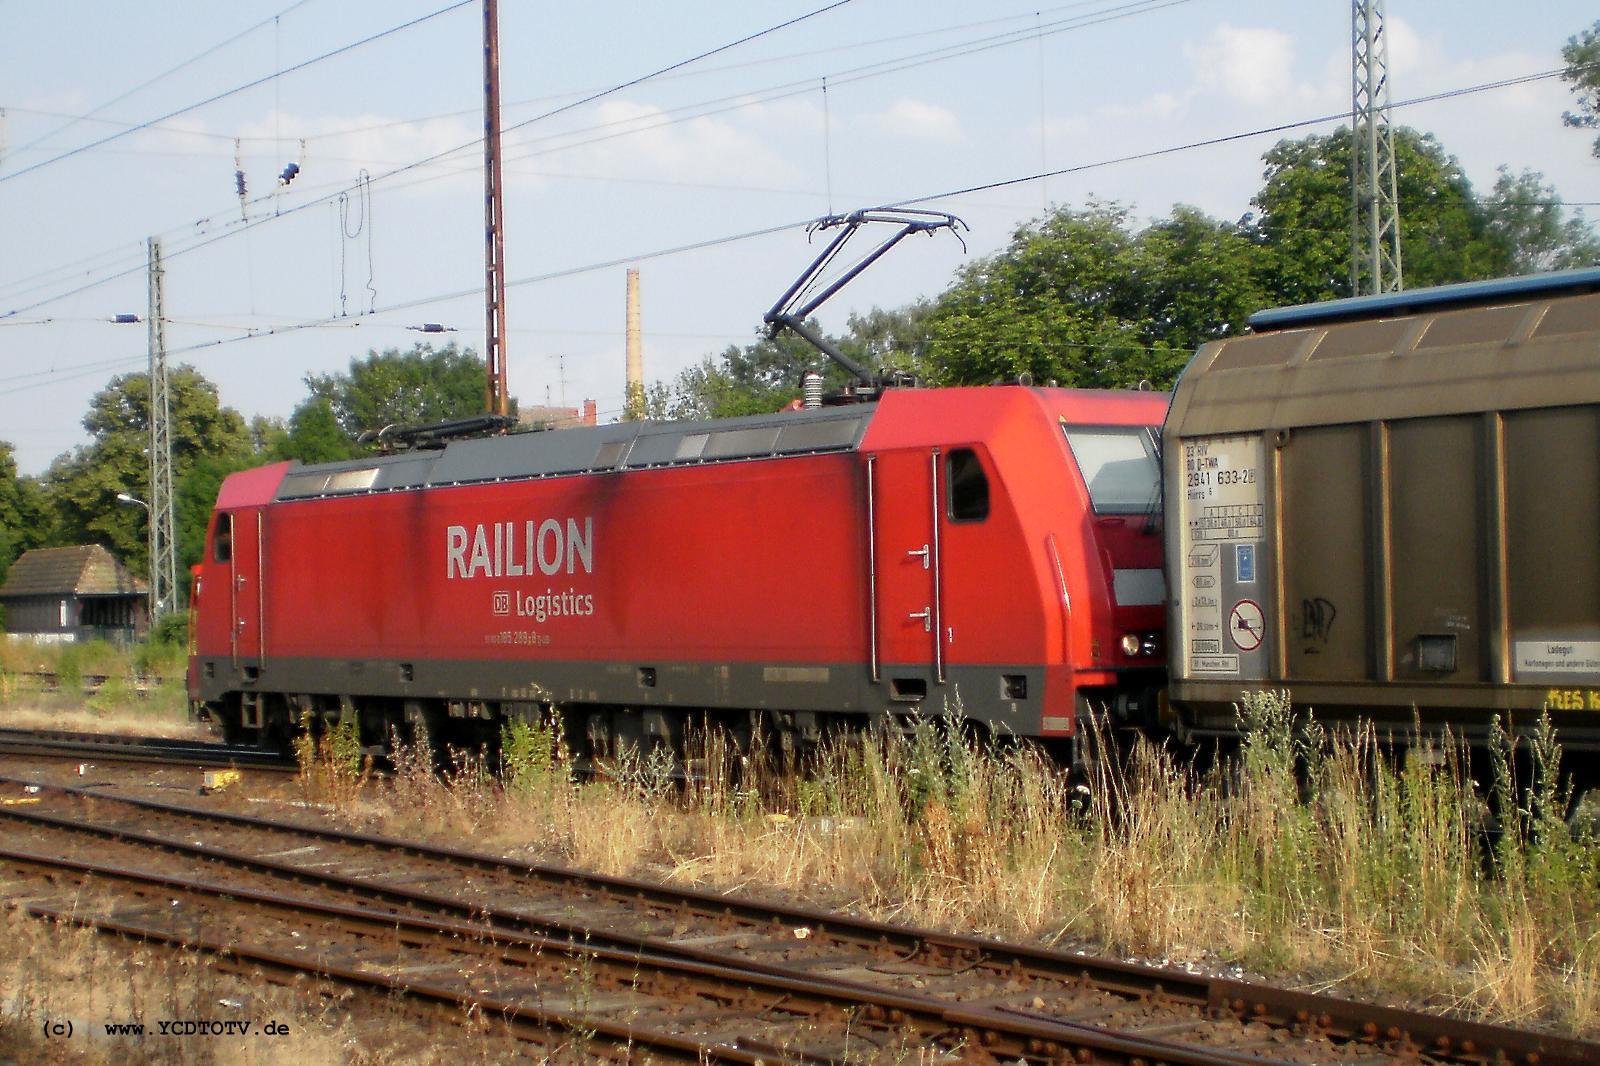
163 545
1375 203
494 340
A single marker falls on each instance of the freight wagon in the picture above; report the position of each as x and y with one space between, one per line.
1389 506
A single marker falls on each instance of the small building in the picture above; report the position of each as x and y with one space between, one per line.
546 417
74 594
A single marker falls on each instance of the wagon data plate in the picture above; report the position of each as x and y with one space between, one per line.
1222 511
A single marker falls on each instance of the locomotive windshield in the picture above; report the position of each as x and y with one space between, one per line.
1120 465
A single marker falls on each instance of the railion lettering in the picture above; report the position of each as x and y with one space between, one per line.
520 549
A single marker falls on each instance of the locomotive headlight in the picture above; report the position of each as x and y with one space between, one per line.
1130 644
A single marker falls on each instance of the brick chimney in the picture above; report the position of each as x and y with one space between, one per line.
590 417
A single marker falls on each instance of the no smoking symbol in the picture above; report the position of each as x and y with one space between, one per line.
1247 625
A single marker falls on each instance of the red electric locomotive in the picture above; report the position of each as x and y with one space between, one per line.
988 553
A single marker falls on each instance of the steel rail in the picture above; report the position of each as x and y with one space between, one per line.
1445 1039
962 1032
456 936
58 744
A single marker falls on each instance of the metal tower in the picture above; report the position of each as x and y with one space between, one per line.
1374 201
494 255
163 544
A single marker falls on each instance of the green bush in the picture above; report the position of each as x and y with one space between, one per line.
528 752
171 630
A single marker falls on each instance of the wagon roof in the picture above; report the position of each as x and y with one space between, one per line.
1436 298
1514 344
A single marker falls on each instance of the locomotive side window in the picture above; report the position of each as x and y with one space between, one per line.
222 539
1120 466
967 487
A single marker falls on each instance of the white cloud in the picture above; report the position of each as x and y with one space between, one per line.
920 120
640 140
1161 107
1249 64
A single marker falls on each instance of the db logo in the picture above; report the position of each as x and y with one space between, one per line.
502 603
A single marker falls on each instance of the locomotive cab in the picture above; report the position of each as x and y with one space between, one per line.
1120 467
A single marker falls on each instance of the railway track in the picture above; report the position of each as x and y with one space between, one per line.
112 747
663 1004
936 990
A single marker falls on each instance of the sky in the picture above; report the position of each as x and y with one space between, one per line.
120 122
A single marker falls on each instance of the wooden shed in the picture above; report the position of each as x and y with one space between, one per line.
74 594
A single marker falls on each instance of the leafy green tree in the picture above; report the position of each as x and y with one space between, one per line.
401 388
1058 304
1080 299
1532 232
314 436
22 520
82 485
745 379
1582 56
890 339
1305 217
1203 278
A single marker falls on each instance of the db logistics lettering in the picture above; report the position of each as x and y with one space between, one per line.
518 549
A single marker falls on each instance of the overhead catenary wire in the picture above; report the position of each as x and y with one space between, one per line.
732 102
1228 138
853 45
169 72
969 190
264 79
245 225
74 371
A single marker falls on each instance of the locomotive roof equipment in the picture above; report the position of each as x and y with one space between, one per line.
797 303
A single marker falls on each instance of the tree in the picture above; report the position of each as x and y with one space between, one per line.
1305 217
313 436
1055 304
890 339
1530 229
1204 279
1582 55
395 388
83 485
1081 299
21 511
746 379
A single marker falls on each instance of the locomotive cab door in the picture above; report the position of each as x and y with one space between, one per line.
247 565
905 561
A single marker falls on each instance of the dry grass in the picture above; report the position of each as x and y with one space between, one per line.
1313 858
143 690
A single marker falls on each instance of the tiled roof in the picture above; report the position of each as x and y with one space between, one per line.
85 570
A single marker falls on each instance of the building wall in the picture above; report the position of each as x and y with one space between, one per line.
52 619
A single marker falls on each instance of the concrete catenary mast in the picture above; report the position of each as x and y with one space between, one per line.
1374 203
